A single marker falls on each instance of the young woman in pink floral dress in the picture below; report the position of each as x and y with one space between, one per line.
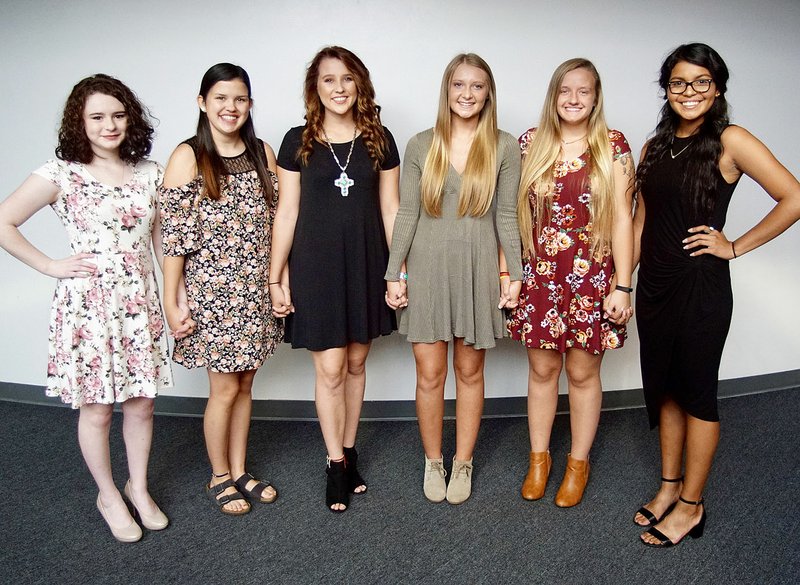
107 340
574 215
218 204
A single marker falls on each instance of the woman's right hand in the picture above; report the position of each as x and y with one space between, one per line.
281 300
75 266
179 320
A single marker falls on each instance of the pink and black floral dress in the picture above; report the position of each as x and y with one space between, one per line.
226 248
107 335
563 287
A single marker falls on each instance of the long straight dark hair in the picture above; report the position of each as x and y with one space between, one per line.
209 162
702 170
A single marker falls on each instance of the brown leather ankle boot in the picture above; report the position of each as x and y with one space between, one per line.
575 478
538 472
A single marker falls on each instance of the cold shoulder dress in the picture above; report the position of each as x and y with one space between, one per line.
226 247
683 303
452 261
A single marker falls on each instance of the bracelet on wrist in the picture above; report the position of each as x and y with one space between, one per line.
733 250
404 276
271 283
625 289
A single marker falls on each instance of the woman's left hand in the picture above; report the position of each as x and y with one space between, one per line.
713 240
509 293
617 307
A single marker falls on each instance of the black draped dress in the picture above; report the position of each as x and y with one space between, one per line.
683 304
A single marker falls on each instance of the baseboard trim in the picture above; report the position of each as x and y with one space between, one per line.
404 409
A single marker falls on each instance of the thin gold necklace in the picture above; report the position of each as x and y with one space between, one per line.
564 142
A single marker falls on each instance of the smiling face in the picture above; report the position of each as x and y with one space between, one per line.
576 97
468 91
336 87
105 122
227 106
691 105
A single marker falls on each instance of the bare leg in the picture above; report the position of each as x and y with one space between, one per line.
354 389
544 368
223 394
431 361
94 423
468 366
331 370
672 437
240 429
354 386
137 430
702 438
585 400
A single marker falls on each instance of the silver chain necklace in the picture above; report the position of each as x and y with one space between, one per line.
680 152
343 182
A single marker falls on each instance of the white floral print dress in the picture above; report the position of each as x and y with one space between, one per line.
107 337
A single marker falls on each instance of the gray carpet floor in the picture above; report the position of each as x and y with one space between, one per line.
51 532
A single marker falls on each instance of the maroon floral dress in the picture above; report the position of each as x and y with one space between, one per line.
563 287
226 248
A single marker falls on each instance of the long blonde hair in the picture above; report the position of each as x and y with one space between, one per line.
538 168
480 175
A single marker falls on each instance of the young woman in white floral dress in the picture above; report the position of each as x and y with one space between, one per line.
218 203
107 340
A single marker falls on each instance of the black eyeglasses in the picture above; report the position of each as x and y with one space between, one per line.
698 85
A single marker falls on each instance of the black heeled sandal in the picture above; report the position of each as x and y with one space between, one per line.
336 488
695 532
354 479
651 518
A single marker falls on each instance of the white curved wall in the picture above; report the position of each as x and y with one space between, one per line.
161 50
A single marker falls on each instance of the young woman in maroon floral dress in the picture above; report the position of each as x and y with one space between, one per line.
574 215
218 203
107 339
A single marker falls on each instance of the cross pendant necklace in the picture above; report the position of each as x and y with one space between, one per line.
343 182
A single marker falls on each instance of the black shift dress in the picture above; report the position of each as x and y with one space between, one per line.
683 304
339 252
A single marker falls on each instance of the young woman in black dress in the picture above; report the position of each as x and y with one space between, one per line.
339 178
688 171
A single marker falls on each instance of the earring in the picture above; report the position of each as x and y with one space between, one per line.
202 109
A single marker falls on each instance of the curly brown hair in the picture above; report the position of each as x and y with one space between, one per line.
366 113
74 145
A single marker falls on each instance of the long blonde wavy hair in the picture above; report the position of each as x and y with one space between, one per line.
538 167
479 179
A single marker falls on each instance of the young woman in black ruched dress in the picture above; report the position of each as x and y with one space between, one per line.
687 175
339 177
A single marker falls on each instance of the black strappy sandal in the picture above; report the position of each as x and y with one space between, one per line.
695 532
257 493
354 479
214 493
649 516
336 491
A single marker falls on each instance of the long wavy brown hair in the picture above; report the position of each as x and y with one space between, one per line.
366 113
73 144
